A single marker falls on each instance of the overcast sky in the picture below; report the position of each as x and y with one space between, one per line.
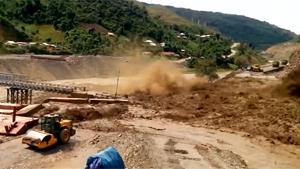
283 13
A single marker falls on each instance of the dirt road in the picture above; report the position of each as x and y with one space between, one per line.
204 148
16 155
161 144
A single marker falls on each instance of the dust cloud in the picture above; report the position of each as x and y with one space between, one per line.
291 84
156 78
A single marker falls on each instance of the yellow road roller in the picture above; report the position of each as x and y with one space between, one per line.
54 130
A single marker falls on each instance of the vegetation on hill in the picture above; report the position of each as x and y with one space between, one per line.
119 16
166 15
8 31
87 42
82 27
297 39
41 32
257 34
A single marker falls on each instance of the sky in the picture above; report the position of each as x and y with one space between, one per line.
283 13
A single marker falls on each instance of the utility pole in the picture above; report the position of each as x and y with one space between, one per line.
118 79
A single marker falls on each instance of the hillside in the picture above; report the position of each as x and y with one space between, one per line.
8 31
282 51
108 27
166 15
257 34
83 24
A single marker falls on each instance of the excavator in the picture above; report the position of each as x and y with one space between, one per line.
54 130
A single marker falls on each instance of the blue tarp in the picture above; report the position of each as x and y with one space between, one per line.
106 159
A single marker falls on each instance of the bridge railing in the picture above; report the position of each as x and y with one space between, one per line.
21 82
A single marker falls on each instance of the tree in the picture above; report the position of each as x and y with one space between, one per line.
61 14
28 10
298 39
207 67
87 42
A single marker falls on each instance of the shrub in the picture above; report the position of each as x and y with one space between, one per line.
192 62
87 42
233 66
206 67
36 49
48 40
16 50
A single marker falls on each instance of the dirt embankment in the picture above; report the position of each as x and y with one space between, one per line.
79 113
291 84
282 51
245 104
294 62
83 67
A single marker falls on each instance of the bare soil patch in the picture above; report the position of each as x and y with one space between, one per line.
242 104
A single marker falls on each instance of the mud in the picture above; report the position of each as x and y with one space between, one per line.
172 122
221 158
294 63
245 104
183 146
290 84
79 113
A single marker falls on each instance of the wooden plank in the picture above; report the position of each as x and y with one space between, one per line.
109 101
22 124
30 109
11 106
5 111
68 100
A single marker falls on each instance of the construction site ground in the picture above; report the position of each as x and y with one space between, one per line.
235 123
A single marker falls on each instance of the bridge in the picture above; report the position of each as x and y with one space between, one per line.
20 88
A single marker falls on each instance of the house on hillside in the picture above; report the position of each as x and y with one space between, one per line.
50 47
10 43
32 43
13 43
205 36
169 54
110 34
150 43
163 44
22 44
182 35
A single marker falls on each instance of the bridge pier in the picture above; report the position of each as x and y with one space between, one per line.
19 96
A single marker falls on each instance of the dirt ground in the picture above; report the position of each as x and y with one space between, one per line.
235 123
282 51
241 104
155 143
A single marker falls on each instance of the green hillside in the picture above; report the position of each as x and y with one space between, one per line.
82 26
166 15
38 19
41 32
256 33
9 32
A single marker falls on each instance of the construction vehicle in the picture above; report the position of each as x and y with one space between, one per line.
284 62
54 130
256 68
276 64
